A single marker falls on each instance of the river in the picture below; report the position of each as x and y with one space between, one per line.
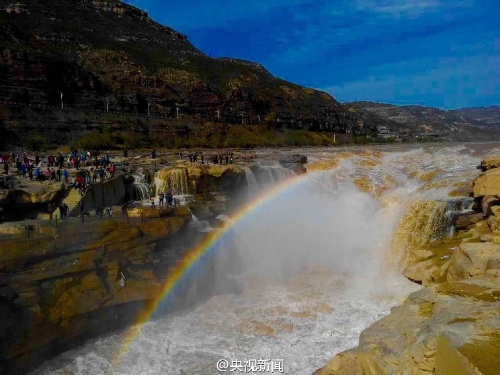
318 263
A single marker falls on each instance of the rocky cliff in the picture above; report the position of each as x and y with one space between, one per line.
62 283
107 55
451 326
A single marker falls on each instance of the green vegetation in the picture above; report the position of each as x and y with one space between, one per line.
37 142
215 135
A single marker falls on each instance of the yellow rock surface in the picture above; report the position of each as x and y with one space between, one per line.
487 183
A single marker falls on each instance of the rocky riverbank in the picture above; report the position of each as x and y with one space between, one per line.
59 283
62 282
451 326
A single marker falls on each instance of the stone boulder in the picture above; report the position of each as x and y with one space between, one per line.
487 203
466 220
487 183
490 162
472 260
36 194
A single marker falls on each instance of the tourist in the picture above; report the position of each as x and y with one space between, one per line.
65 175
61 211
59 173
98 211
51 209
161 197
79 184
153 154
6 168
125 153
23 170
112 170
152 200
169 198
60 160
102 173
81 207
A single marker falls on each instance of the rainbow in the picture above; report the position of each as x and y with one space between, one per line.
193 257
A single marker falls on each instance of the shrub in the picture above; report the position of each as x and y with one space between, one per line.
37 142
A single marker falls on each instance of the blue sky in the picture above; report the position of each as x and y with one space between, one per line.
438 53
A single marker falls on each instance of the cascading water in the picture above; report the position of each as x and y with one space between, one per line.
200 225
312 266
175 180
253 186
268 172
139 190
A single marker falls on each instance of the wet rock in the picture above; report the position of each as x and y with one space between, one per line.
465 220
488 202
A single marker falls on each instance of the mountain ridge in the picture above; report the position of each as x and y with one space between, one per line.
110 54
461 124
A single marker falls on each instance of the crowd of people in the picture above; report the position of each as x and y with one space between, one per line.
215 159
91 167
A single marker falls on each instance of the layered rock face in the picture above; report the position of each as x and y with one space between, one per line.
61 283
104 194
452 326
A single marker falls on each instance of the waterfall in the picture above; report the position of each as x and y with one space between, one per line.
253 186
175 180
139 191
200 225
269 172
424 222
311 264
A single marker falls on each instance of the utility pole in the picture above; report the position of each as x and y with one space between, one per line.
62 101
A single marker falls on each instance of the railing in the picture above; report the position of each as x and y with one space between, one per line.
46 106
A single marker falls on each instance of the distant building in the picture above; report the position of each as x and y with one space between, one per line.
385 132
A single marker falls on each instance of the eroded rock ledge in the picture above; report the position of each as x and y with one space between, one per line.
452 326
61 283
